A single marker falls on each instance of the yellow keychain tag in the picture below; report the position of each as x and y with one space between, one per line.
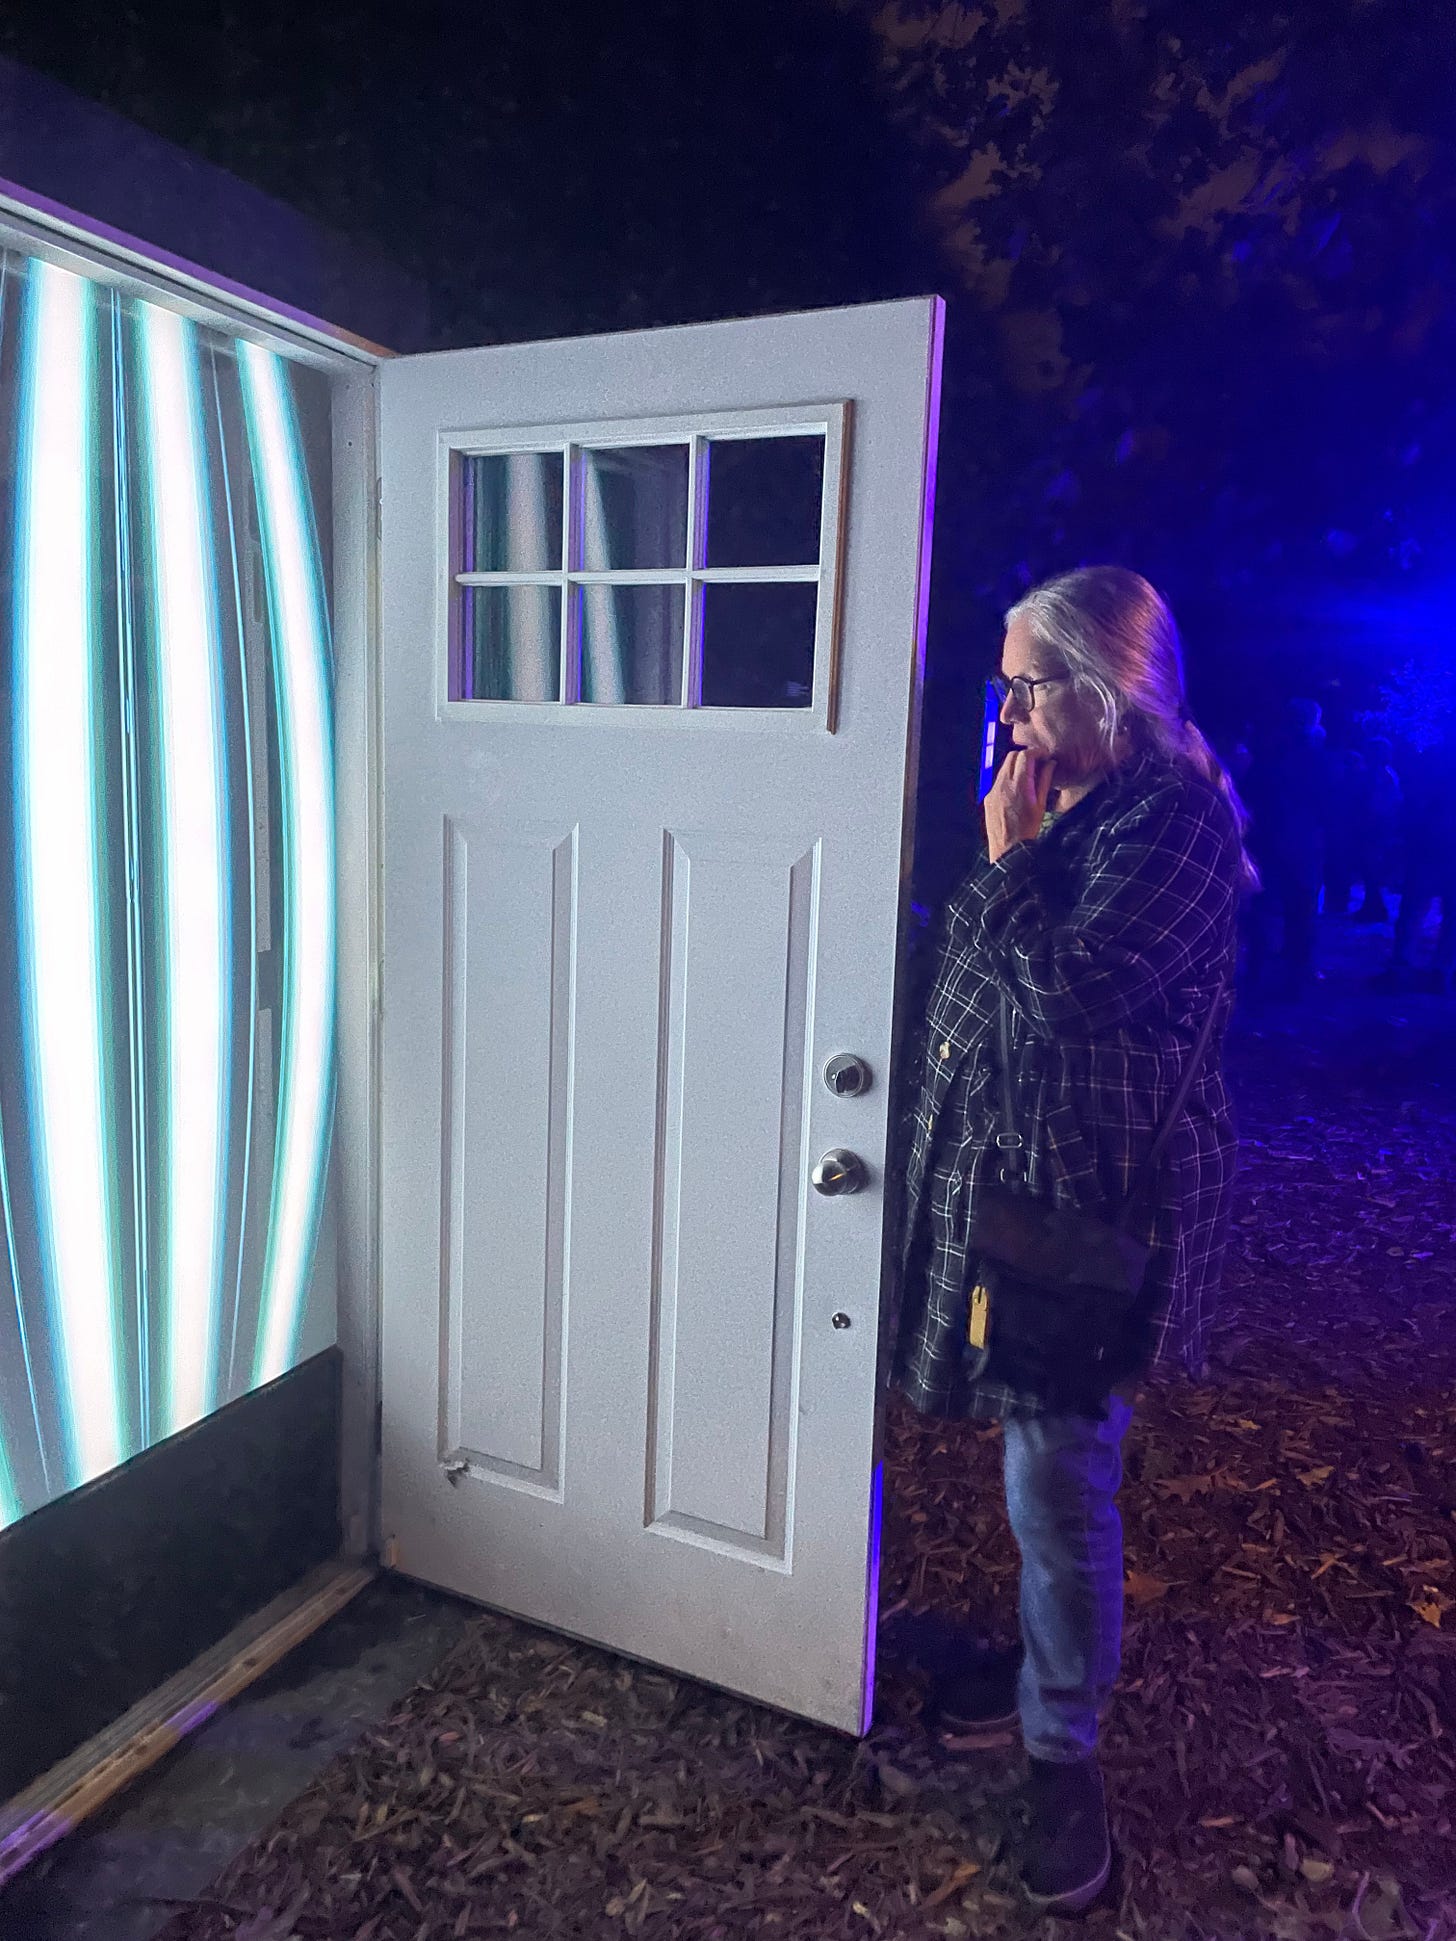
979 1318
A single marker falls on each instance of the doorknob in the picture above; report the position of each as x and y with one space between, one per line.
847 1076
839 1172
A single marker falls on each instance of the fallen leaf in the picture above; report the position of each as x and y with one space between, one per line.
407 1887
1433 1606
1321 1473
1379 1913
967 1870
1142 1589
1184 1488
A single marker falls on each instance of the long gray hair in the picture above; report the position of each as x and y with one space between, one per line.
1116 636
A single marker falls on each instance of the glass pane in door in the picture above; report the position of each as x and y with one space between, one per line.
632 644
758 644
509 644
509 508
635 508
764 501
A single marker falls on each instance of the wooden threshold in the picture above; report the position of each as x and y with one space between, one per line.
96 1772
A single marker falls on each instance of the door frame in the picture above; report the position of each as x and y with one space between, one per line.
75 241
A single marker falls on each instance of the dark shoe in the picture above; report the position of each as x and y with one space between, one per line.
1068 1847
980 1694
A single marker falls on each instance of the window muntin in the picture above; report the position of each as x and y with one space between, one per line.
690 570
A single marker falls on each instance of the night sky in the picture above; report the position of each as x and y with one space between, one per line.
1200 261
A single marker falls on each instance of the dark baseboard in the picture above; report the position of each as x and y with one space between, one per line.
114 1588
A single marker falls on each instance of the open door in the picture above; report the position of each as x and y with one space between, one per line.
651 619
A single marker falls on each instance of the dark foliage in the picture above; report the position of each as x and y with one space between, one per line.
1199 260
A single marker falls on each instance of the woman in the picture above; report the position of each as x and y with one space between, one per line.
1104 909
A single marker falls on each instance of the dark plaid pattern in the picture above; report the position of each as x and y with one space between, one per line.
1111 934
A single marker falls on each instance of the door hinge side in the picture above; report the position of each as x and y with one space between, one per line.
378 510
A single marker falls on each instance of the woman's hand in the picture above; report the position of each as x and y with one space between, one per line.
1016 804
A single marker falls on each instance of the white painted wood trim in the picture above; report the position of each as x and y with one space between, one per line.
828 420
359 891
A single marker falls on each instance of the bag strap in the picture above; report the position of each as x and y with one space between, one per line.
1012 1147
1008 1139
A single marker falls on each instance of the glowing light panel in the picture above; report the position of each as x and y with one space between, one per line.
57 866
193 893
169 745
305 742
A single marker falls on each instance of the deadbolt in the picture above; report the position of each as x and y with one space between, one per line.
839 1172
847 1076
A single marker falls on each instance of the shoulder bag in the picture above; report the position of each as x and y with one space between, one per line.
1055 1309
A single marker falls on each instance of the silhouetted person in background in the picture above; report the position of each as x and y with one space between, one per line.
1429 827
1379 863
1344 828
1288 792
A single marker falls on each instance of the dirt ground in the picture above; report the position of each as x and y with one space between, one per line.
1281 1752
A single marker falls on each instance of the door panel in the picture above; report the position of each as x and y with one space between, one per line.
508 942
649 691
732 1170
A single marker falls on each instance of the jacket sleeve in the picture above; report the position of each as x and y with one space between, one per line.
1156 901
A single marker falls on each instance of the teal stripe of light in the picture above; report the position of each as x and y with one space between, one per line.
131 835
12 1258
245 762
58 862
300 658
9 1495
195 861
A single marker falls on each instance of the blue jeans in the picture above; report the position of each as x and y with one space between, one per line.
1062 1478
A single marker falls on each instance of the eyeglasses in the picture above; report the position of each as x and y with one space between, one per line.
1021 690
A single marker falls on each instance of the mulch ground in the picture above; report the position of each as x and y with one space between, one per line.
1282 1751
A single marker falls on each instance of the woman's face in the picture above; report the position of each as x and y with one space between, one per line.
1058 726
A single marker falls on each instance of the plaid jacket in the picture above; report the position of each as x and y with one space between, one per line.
1111 934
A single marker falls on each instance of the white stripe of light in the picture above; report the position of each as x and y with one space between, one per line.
533 625
603 643
193 847
9 1493
55 711
305 742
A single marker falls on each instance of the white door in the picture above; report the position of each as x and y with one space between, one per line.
652 609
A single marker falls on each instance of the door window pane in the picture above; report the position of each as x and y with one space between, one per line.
635 510
764 501
758 645
509 644
510 512
632 643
